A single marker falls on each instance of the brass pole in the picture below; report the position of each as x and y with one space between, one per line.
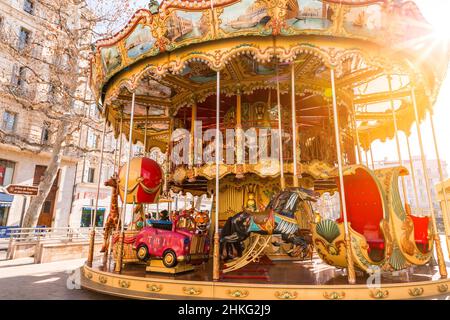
116 167
294 128
99 177
115 155
145 131
216 257
367 158
348 246
239 109
280 129
120 156
437 241
371 157
397 140
413 173
168 158
118 266
118 149
358 146
108 249
444 192
121 139
192 147
239 133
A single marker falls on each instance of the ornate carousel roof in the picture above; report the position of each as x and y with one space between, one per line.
168 56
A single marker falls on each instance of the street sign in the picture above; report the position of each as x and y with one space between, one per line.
15 189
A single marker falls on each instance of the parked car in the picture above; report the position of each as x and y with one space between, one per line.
179 244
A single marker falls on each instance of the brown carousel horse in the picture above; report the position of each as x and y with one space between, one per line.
113 217
112 223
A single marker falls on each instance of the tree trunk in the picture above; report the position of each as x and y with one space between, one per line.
35 208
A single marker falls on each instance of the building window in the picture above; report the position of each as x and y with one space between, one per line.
24 38
6 172
86 217
91 175
45 133
4 212
22 79
92 140
9 121
19 77
51 93
28 6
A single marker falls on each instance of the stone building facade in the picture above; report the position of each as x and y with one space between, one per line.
26 136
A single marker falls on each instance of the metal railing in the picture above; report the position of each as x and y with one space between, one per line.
51 234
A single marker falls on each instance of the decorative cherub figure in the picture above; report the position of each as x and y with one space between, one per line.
153 6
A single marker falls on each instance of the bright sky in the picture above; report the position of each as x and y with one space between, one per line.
436 13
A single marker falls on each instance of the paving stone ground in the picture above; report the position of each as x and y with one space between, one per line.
22 280
43 282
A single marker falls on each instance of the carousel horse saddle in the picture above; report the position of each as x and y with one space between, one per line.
261 217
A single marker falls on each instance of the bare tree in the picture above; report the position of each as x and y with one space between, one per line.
51 79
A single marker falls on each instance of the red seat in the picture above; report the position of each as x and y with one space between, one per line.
421 232
364 207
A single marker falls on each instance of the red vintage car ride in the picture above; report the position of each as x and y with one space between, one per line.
181 243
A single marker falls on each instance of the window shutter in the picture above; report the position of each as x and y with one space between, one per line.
86 171
14 75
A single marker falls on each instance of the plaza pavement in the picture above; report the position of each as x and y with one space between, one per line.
26 281
21 279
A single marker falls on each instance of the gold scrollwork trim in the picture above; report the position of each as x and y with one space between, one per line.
103 279
89 275
154 287
191 291
379 294
286 295
124 284
334 295
442 288
238 293
415 292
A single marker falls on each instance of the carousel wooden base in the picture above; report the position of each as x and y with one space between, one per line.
308 280
158 267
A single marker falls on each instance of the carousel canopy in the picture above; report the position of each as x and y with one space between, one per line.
168 55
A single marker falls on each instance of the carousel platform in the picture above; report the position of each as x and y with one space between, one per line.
307 280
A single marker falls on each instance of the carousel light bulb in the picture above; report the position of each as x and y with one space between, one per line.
328 92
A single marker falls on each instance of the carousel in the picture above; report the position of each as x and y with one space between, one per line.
271 109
